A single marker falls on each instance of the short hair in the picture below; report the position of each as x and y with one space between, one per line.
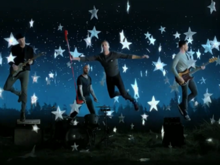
19 36
182 42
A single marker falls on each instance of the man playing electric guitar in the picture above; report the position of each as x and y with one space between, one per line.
180 64
23 53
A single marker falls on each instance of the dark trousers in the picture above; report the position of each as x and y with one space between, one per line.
185 97
117 81
24 79
89 104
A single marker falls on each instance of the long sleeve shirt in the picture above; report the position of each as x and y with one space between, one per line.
109 62
22 55
180 63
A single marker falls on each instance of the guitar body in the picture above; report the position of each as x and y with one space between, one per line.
185 75
20 69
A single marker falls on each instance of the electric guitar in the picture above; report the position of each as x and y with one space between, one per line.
14 73
186 75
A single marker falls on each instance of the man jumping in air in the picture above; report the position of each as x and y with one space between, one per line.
109 61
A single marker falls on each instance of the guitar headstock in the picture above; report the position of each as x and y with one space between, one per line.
213 59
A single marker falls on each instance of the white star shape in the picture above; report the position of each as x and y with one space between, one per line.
147 35
74 147
128 7
0 58
51 75
191 53
11 58
34 99
58 113
162 29
60 27
88 41
1 91
153 104
122 36
11 40
212 7
132 126
152 40
35 128
75 107
177 35
207 47
135 88
116 99
94 13
59 52
75 53
35 78
198 53
189 34
94 33
31 23
159 65
144 116
125 44
189 40
124 68
174 87
215 44
191 63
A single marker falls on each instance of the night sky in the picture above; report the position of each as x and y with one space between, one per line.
144 16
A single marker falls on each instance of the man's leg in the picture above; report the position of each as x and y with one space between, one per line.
90 105
193 89
111 87
24 79
119 83
183 106
9 85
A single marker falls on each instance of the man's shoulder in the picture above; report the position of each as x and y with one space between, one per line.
179 54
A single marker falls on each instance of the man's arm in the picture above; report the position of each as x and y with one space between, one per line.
127 56
79 84
85 59
92 91
174 64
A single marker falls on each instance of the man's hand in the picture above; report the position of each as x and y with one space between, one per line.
202 67
95 99
15 67
83 98
181 80
145 56
30 61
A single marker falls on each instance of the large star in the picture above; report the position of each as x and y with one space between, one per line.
75 53
94 13
159 65
88 41
75 107
94 33
135 88
11 58
189 34
162 29
207 94
59 52
215 44
177 35
207 47
153 104
125 44
11 40
218 61
152 40
212 7
58 113
174 87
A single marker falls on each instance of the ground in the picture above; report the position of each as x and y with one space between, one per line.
202 147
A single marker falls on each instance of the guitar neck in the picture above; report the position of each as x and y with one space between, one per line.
197 69
25 63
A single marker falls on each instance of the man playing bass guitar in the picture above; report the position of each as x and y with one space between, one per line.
23 53
179 65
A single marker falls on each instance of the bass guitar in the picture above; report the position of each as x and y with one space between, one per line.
187 74
14 73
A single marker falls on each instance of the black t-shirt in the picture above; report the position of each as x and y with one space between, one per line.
85 82
22 55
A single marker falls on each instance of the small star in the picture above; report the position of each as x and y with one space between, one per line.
189 34
94 13
124 68
94 33
177 35
215 44
152 40
31 23
59 52
132 126
11 58
162 29
11 40
60 27
35 128
198 54
153 104
121 119
126 44
75 53
74 147
212 7
58 113
207 47
147 35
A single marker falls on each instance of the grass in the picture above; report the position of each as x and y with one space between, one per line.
123 150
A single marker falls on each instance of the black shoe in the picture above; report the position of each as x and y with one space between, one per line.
183 112
22 117
135 105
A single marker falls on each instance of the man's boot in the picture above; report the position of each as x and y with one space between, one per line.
22 116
